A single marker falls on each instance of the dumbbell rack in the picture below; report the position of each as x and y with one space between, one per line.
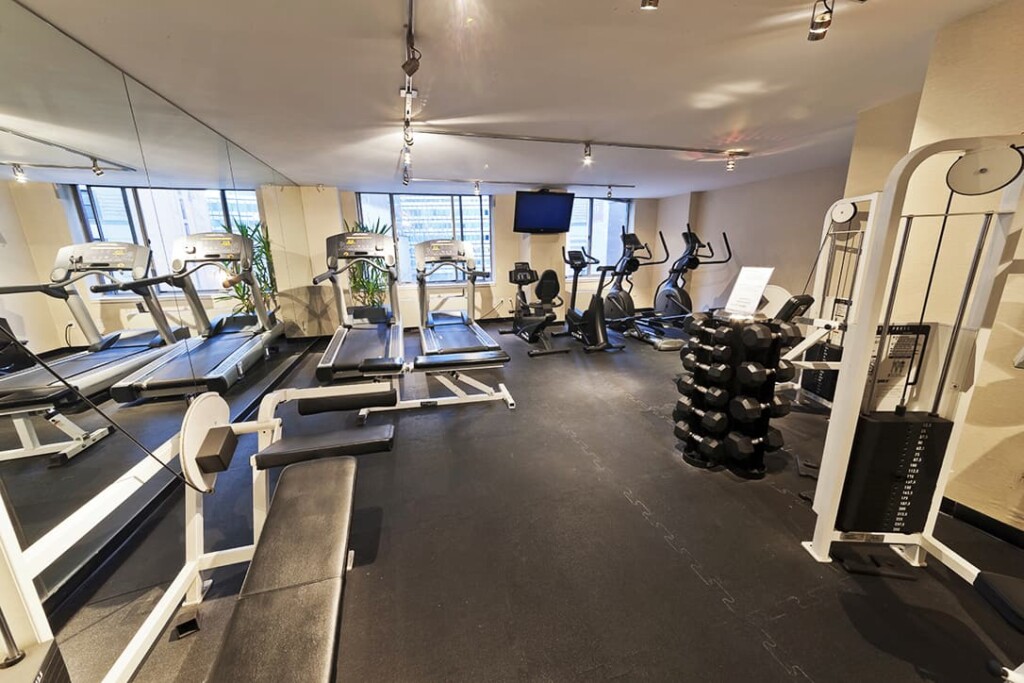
732 359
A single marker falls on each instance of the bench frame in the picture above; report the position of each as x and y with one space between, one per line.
188 588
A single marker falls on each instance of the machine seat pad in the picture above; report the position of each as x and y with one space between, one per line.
1006 594
296 449
459 361
282 635
305 537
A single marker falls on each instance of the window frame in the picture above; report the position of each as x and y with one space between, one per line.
136 219
589 273
458 232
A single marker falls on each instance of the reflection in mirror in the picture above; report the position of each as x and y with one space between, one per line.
104 188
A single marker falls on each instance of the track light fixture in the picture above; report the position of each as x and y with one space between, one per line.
19 173
96 168
821 19
588 158
609 192
412 64
648 4
476 187
730 159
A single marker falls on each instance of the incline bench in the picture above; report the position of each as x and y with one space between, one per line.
285 624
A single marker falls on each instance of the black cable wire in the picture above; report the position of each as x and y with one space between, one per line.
82 397
817 257
927 296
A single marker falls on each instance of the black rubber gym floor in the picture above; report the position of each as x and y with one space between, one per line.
566 541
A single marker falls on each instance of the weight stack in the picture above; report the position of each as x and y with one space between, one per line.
730 371
894 469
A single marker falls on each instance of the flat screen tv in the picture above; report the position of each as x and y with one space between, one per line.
543 212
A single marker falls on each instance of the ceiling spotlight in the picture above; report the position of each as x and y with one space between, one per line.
476 188
648 4
609 192
821 19
96 168
588 158
19 173
406 156
730 165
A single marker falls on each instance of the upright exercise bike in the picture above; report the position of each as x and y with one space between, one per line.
533 318
588 327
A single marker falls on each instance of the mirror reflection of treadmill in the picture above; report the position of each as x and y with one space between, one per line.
449 332
228 346
362 348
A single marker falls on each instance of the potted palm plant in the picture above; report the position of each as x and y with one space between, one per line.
368 285
262 267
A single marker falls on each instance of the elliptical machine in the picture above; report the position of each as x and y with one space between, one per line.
532 318
619 307
671 298
589 326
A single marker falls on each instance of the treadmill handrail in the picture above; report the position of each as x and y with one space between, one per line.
428 271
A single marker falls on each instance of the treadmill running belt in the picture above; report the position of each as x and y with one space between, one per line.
459 338
67 368
361 343
199 360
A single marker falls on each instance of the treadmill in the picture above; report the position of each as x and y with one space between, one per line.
35 392
445 332
226 347
374 346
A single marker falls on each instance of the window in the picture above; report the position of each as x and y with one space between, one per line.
596 225
420 217
157 217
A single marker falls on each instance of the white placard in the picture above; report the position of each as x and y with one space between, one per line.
748 290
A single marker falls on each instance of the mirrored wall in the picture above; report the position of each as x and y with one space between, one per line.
137 268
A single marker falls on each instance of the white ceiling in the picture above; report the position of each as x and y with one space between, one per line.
312 88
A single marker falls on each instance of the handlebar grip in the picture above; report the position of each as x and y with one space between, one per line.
323 276
483 273
231 281
103 289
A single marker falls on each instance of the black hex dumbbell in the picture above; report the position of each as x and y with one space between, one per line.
709 447
758 336
714 396
748 408
755 374
712 420
695 323
740 446
716 373
719 352
722 335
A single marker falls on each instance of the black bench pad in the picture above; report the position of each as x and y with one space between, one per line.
295 449
284 635
286 619
305 538
1006 594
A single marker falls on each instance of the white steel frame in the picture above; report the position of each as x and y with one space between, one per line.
32 446
450 380
870 292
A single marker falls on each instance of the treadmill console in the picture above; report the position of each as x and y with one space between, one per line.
444 251
108 257
354 245
211 247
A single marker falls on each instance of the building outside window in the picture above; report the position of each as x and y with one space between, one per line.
157 217
420 217
596 226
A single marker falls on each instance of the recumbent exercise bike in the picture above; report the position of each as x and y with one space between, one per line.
532 318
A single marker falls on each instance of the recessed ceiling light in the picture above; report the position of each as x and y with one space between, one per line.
648 4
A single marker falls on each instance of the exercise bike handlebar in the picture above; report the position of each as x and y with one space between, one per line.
590 259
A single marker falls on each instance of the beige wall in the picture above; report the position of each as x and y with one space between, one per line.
774 222
973 87
882 138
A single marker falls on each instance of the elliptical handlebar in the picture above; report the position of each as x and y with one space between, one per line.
711 255
590 259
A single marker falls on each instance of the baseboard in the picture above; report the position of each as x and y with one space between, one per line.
989 525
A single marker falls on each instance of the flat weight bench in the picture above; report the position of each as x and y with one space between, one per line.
285 623
286 619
